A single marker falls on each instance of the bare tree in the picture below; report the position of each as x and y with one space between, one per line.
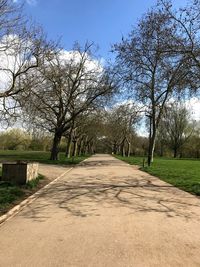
178 126
66 86
152 71
120 126
161 138
187 26
23 46
11 18
83 135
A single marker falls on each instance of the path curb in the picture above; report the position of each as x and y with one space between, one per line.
11 213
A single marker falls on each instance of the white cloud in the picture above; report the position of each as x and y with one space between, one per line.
13 54
193 106
75 57
11 61
32 2
29 2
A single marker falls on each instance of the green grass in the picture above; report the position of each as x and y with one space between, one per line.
182 173
39 156
131 160
34 183
8 194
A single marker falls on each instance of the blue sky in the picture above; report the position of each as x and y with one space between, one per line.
101 21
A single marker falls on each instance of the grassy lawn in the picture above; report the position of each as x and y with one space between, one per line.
182 173
39 156
10 193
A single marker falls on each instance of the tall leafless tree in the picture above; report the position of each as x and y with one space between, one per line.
186 22
178 126
66 86
23 46
151 71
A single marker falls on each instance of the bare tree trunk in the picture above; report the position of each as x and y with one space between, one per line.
115 148
81 147
85 146
89 148
69 143
76 148
152 141
175 152
149 148
55 150
69 146
94 149
129 149
123 152
74 153
153 146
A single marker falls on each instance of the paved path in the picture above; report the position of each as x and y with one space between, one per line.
105 213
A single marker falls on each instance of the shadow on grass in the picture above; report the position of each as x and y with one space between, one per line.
11 194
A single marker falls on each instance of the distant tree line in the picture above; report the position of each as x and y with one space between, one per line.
115 131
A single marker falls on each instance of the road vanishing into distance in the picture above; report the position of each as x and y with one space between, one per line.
105 213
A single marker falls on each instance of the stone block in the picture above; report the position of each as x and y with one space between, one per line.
19 172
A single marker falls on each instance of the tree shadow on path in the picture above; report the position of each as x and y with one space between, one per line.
92 195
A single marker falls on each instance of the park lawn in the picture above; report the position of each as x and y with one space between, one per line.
182 173
39 156
11 194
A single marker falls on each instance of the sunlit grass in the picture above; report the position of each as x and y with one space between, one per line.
182 173
39 156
